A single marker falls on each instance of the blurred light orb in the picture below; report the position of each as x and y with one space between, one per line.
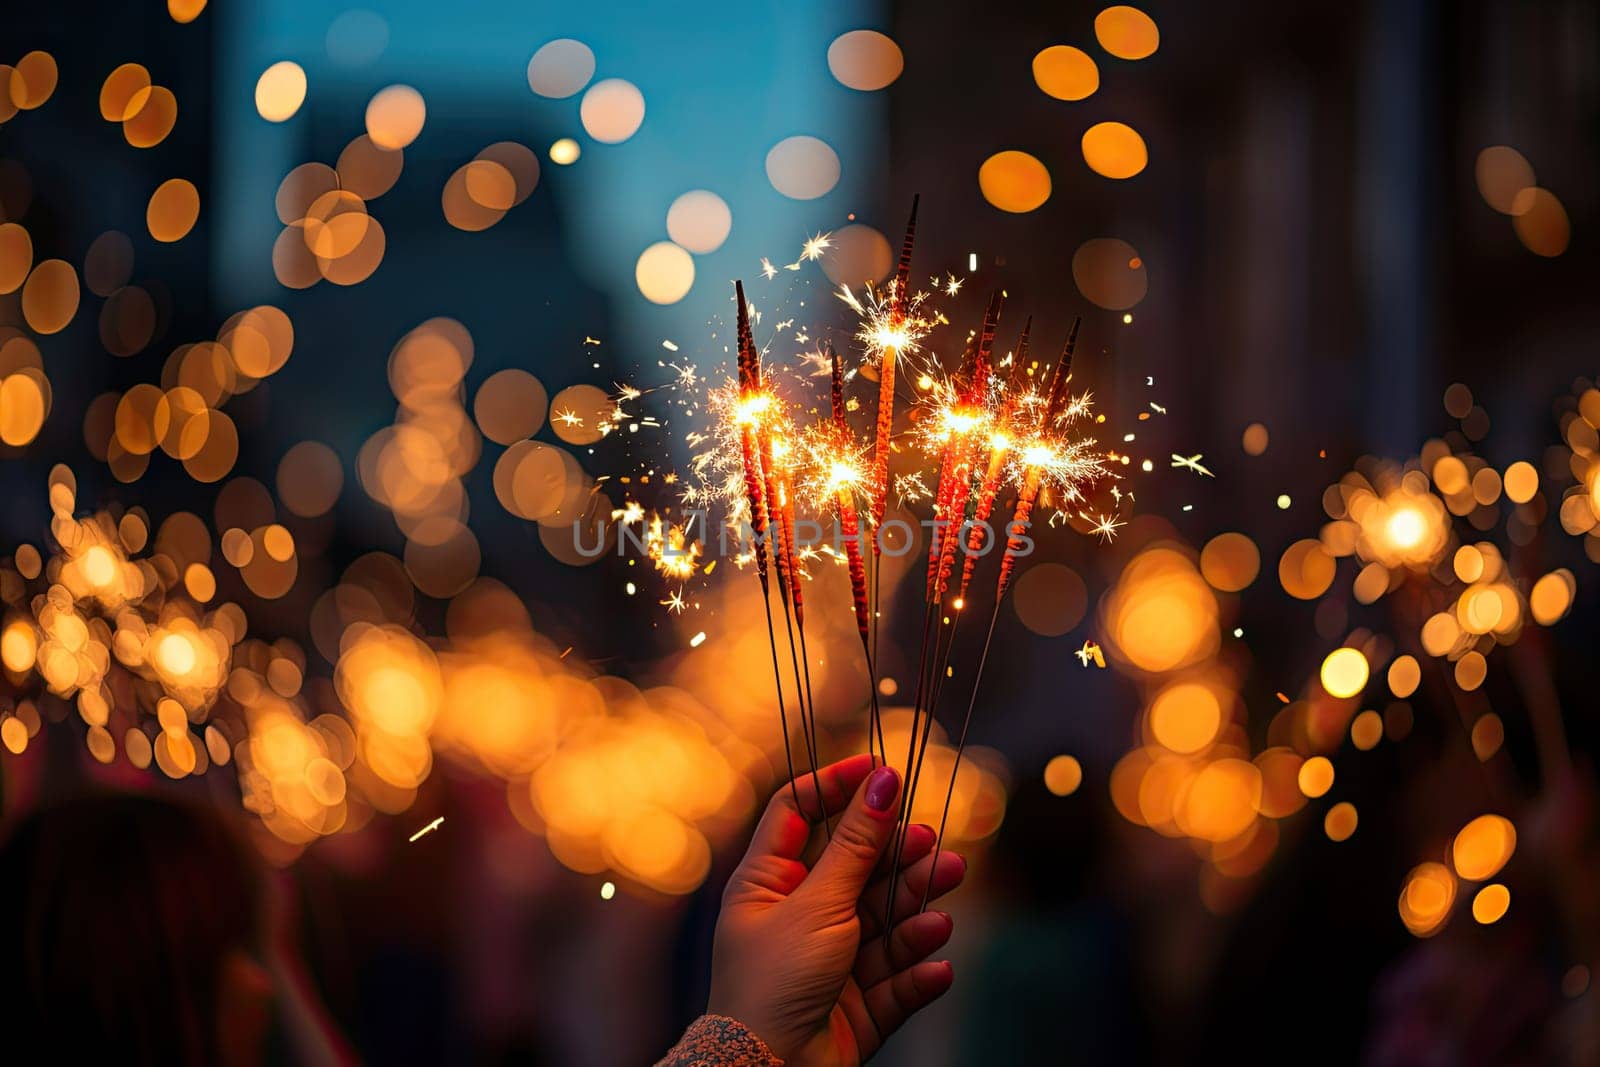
1344 672
33 80
1066 73
395 116
1126 32
1110 273
1114 150
123 92
560 68
1063 775
1502 173
367 170
612 110
356 38
1521 481
184 11
518 161
865 60
175 654
1366 730
510 406
1340 822
173 210
107 266
1161 614
280 91
664 273
1491 904
1405 674
50 296
565 152
16 256
1406 528
22 408
489 185
1552 595
699 221
1050 599
1014 181
1483 846
803 167
859 253
1186 717
1426 898
1541 223
1255 439
464 211
1220 801
1315 777
155 113
578 413
310 477
1230 562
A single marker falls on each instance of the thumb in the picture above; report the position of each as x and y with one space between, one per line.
841 872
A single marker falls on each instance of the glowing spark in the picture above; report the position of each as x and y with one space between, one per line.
569 417
1106 526
1157 408
697 640
674 603
768 271
952 285
1191 463
815 246
428 829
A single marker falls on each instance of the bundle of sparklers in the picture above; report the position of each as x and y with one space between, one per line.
996 428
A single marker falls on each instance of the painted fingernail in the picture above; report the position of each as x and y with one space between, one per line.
882 788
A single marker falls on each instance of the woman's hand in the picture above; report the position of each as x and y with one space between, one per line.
800 958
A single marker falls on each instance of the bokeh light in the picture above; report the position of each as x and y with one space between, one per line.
1014 181
699 221
612 110
280 91
395 116
1126 32
1066 73
865 60
1114 150
560 68
664 273
802 167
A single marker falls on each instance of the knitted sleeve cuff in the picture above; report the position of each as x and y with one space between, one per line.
718 1041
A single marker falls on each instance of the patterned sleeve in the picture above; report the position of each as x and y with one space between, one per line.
718 1041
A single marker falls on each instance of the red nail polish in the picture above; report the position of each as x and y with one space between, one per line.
882 788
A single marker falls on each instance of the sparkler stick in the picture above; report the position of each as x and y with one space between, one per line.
850 532
999 448
899 305
749 368
1014 544
961 488
808 709
886 370
953 488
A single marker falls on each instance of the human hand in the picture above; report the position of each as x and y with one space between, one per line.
799 957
